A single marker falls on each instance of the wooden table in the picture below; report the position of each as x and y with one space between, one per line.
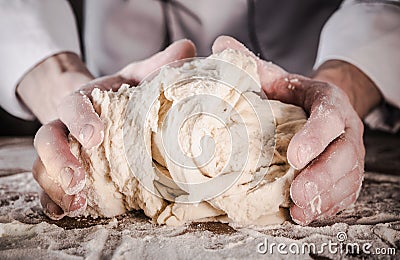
373 222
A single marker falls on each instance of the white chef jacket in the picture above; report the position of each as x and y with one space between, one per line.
364 33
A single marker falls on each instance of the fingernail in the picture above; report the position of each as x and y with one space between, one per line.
77 206
66 177
72 180
86 133
76 187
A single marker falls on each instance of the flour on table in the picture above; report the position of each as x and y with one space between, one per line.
194 143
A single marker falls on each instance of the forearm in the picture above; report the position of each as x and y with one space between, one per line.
362 92
43 87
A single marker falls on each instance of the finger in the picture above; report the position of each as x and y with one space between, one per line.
334 164
313 138
344 204
226 42
304 217
77 113
345 187
72 205
61 165
50 208
329 111
327 120
178 50
267 71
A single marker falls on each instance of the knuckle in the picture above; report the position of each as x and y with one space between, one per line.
335 92
360 125
335 117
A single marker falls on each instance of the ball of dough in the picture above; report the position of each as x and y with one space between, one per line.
195 142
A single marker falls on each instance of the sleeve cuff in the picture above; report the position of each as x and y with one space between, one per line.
366 35
32 30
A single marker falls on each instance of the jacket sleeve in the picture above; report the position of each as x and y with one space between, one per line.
31 31
367 35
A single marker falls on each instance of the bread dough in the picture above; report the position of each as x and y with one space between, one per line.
195 142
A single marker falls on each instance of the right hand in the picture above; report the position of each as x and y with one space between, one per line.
328 150
56 170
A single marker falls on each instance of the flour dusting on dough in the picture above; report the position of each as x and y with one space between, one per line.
151 122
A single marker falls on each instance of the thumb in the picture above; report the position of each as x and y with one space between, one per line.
178 50
267 71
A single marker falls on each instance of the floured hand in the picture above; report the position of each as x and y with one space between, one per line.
328 150
57 171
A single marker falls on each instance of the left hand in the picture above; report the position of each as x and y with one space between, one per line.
328 150
57 170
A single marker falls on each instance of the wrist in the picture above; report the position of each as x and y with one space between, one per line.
361 90
44 86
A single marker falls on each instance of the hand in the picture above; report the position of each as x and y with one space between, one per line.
57 171
328 150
